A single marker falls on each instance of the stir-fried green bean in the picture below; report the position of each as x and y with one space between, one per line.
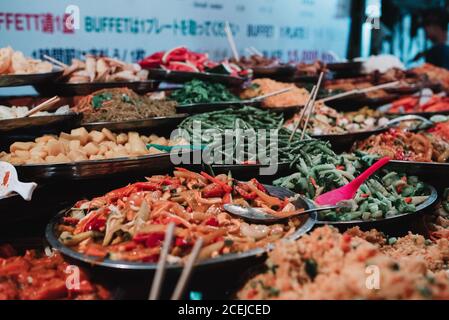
246 118
384 195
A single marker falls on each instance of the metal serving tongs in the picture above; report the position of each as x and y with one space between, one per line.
261 217
162 263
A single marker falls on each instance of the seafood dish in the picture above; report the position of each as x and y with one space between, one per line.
14 62
102 69
122 104
130 223
81 145
330 265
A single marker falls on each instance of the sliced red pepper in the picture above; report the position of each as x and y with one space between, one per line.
258 185
340 168
71 221
227 198
408 200
213 191
246 195
313 182
213 222
150 240
146 186
95 224
182 242
364 195
225 186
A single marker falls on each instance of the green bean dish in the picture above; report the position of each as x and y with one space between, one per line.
385 194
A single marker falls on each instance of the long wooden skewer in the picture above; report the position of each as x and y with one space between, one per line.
56 62
231 41
44 105
312 105
360 91
160 271
187 271
303 112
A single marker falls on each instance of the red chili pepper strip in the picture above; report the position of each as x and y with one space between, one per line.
213 191
258 185
146 186
244 194
225 187
227 198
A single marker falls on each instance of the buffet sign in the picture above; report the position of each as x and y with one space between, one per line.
300 30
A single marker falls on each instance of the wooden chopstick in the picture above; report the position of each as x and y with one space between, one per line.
312 105
360 91
271 94
231 41
160 271
187 271
56 62
301 115
44 105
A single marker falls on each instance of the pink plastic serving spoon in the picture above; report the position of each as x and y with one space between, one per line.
348 191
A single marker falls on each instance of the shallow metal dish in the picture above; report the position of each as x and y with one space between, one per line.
50 234
12 80
427 115
150 123
31 123
420 209
342 142
95 168
425 169
184 76
66 89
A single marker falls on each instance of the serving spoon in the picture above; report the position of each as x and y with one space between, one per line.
260 217
348 191
9 183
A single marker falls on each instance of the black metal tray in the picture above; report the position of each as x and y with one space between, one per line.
169 122
66 89
92 169
421 168
12 80
184 76
343 142
33 123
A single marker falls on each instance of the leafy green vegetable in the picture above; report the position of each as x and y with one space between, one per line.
197 91
99 99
